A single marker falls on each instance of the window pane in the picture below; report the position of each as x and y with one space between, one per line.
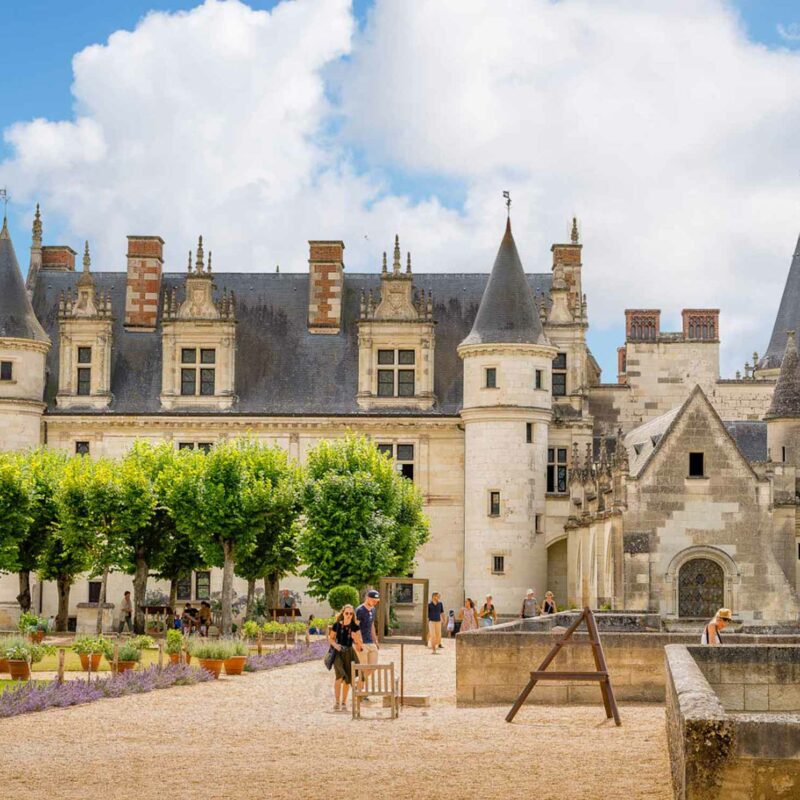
386 356
494 504
204 446
559 384
84 355
82 448
5 371
208 356
405 382
185 445
188 355
562 479
491 378
185 588
385 383
529 432
551 455
388 449
188 382
405 356
562 455
405 452
498 564
202 585
560 361
207 382
696 465
538 382
551 478
84 380
94 591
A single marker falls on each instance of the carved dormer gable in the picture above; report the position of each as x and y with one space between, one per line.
198 342
85 337
396 341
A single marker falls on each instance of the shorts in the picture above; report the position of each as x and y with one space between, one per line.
368 654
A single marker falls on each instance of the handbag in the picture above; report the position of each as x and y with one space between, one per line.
329 657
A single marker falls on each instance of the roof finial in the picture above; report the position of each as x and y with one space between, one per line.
384 268
507 196
87 260
37 228
574 234
277 268
4 198
199 262
209 262
408 264
396 260
189 266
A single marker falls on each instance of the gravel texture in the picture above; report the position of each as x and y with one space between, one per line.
274 734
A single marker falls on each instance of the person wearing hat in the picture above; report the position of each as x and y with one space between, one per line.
711 632
530 607
367 652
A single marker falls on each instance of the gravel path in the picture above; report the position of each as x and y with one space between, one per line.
274 735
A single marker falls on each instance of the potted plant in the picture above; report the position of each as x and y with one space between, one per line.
32 625
90 650
175 645
20 656
128 656
234 663
250 629
211 655
5 643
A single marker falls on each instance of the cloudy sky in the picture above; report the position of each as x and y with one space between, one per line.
672 129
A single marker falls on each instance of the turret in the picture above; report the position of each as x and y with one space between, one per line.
507 411
783 417
23 350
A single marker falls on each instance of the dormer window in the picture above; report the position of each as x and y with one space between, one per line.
560 375
395 379
198 371
84 376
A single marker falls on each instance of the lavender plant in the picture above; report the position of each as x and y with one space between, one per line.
292 655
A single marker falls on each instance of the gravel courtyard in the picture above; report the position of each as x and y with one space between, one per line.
274 734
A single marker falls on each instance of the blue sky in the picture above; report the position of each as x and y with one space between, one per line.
39 40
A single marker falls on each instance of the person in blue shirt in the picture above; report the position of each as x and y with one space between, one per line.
435 611
365 617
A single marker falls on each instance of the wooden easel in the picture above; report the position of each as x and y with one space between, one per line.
601 675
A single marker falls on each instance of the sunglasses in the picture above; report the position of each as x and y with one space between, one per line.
348 613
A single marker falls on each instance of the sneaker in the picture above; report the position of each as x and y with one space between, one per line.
337 707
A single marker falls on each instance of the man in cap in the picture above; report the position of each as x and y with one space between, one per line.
365 616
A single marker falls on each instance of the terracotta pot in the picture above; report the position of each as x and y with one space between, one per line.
95 658
235 665
3 665
19 670
124 666
175 658
213 665
36 636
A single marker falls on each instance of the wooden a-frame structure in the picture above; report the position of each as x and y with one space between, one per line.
600 675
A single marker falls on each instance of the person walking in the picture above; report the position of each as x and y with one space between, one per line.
469 616
711 632
530 608
126 613
549 605
435 611
488 615
367 649
344 633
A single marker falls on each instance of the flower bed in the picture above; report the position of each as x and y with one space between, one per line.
292 655
30 697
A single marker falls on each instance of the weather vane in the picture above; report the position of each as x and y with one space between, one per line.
4 198
507 196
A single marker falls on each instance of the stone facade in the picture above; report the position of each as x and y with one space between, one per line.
499 415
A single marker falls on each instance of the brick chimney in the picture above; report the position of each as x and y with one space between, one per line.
143 287
325 286
642 324
58 258
701 324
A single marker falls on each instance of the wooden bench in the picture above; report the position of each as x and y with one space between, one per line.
378 681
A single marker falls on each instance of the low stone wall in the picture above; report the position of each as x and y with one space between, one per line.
716 754
494 664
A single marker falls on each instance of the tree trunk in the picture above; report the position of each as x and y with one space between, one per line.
139 591
63 583
24 596
102 603
271 583
251 596
173 594
227 587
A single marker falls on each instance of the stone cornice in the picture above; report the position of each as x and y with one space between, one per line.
509 348
514 413
24 344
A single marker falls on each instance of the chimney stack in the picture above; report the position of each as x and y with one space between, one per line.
143 286
325 286
58 258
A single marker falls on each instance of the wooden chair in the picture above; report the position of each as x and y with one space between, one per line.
378 681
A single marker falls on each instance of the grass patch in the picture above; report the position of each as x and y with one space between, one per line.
6 683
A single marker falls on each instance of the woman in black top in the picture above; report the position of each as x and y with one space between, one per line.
549 606
343 633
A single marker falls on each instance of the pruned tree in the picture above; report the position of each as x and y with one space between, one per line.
15 511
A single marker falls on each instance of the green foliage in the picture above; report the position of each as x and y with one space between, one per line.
15 511
30 623
239 648
87 645
250 629
174 641
321 624
205 648
363 520
128 651
340 596
143 642
20 650
282 628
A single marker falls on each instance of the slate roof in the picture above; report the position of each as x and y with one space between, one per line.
642 441
17 319
788 318
750 437
280 367
507 312
786 397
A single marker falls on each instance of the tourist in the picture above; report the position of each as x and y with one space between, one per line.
189 618
451 623
126 613
367 650
712 630
435 611
469 616
204 617
177 623
343 633
488 614
530 608
549 605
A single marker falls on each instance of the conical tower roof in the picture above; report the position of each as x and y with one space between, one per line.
786 398
17 319
788 318
507 313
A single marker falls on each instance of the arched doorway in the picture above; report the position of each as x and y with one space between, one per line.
701 588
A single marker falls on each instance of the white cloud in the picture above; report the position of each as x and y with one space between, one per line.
666 130
789 32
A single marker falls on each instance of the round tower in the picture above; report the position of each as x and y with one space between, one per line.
783 417
23 350
506 412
